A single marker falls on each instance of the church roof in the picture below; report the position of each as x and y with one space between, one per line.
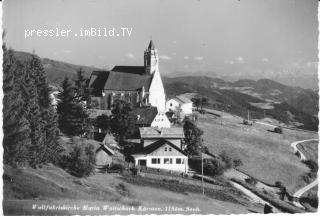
129 69
146 115
151 46
119 81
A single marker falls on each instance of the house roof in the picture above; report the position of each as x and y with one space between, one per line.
150 132
181 99
121 81
154 146
129 69
146 115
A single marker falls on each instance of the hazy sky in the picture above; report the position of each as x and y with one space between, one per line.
190 35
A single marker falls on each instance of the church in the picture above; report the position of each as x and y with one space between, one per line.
140 86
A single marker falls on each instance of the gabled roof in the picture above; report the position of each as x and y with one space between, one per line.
129 69
121 81
145 115
150 132
181 99
154 146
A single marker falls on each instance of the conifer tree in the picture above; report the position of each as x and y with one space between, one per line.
72 115
16 128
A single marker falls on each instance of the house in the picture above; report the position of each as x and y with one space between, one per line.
137 85
162 154
150 135
150 117
179 103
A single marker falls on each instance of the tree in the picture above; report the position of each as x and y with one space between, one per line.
122 122
196 102
81 160
193 138
81 90
72 114
48 116
104 123
16 127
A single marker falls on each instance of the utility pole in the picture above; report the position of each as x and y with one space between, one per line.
202 173
248 115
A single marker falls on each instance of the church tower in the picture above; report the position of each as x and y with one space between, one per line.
151 59
157 95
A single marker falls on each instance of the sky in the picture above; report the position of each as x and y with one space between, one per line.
190 35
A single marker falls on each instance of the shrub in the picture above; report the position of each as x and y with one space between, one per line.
237 162
211 167
226 159
81 160
116 167
251 181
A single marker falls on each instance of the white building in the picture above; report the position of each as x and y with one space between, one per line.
179 103
162 154
137 85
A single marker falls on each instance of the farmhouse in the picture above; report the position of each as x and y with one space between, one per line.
137 85
150 117
179 103
162 154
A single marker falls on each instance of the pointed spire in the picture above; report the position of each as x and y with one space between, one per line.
151 46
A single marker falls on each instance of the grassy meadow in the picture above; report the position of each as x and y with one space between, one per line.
26 187
266 155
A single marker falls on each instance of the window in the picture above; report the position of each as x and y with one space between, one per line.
179 161
165 149
170 148
167 160
155 160
171 104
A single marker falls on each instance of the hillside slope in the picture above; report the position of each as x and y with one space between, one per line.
25 188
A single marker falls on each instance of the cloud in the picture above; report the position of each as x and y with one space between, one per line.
67 51
240 60
130 55
198 58
165 57
229 62
186 57
265 59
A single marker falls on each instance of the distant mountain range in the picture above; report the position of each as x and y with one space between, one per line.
294 105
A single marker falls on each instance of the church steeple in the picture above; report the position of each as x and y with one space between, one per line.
151 59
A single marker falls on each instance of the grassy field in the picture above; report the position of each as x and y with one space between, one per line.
28 191
266 156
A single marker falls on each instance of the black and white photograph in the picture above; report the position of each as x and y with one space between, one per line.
159 107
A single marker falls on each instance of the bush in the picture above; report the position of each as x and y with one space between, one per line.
116 167
237 162
81 160
211 167
251 181
226 159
